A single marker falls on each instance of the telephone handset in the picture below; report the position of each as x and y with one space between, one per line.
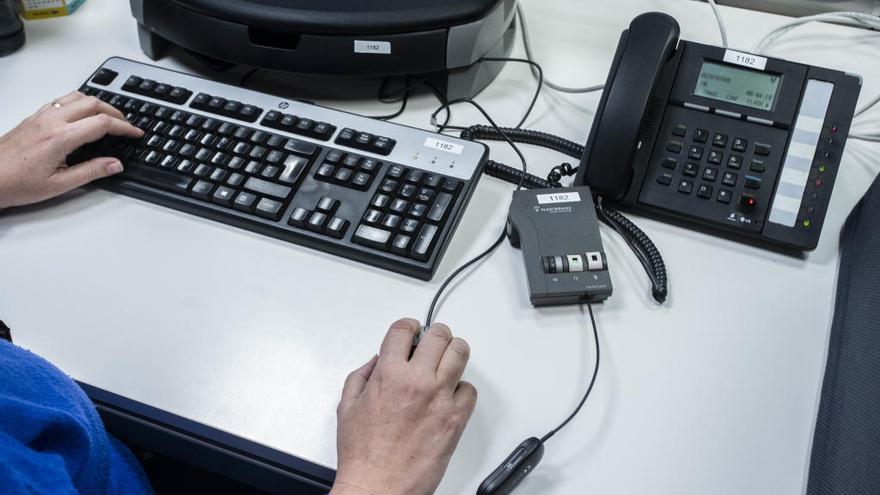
717 137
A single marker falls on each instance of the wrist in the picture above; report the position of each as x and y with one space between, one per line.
371 480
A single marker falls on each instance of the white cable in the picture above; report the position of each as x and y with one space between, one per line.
866 137
721 26
857 19
527 44
866 106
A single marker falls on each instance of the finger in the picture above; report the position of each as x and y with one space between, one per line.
86 107
66 179
357 380
465 398
454 360
398 341
93 128
431 347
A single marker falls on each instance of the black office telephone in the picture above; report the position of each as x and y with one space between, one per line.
726 139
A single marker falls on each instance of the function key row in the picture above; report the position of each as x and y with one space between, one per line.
158 90
365 141
227 108
296 125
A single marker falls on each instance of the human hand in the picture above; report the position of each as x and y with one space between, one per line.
33 156
399 420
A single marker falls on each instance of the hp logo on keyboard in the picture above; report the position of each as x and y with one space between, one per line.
283 105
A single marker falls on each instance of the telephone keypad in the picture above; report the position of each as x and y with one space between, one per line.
708 185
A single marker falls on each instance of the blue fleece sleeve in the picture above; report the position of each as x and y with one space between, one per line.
52 439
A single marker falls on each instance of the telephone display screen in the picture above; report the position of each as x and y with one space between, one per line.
738 86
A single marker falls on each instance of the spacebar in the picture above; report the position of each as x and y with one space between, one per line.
158 178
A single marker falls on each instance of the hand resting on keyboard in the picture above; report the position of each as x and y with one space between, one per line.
33 155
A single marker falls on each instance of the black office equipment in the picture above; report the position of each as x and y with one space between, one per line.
514 469
11 28
558 233
729 140
341 38
380 193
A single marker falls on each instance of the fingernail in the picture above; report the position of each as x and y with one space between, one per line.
114 167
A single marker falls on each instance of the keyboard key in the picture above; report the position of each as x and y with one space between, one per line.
202 189
399 205
342 175
690 169
451 185
270 171
440 207
372 216
670 163
757 166
418 210
275 156
325 171
719 140
695 153
724 196
185 166
380 201
235 180
203 170
328 205
739 144
369 165
388 186
407 191
253 167
361 181
223 196
383 145
409 226
422 247
269 208
762 149
400 244
316 221
372 237
351 161
415 176
710 174
267 188
333 156
396 171
715 157
337 227
673 147
679 130
433 180
425 194
391 221
218 175
299 217
156 177
294 167
301 147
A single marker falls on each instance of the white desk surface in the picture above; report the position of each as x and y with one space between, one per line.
715 392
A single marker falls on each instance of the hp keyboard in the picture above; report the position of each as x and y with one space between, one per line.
383 194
